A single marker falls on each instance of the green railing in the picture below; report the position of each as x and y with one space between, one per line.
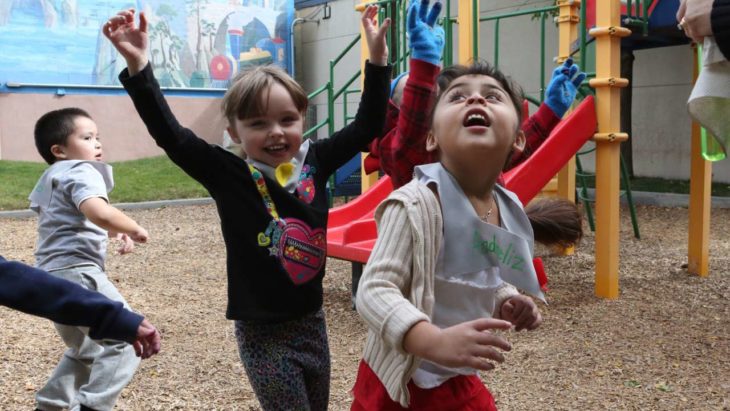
396 37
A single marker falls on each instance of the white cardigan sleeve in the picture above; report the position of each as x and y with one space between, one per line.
386 283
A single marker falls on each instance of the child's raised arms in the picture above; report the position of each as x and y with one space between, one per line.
131 41
375 36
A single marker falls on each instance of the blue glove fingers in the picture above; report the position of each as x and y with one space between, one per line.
573 69
433 14
422 10
578 80
412 11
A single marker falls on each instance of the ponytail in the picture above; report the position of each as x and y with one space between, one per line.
555 221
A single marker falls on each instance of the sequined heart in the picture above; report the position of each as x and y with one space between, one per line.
303 251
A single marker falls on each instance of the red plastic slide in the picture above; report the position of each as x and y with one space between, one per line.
351 230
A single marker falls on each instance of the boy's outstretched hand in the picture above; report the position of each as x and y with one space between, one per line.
375 36
426 38
563 87
522 312
148 339
131 41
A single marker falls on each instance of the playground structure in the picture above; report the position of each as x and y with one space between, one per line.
351 227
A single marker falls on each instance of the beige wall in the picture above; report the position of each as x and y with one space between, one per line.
123 134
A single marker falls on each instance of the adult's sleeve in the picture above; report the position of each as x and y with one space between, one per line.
38 293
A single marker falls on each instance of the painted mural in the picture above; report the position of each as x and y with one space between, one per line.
193 43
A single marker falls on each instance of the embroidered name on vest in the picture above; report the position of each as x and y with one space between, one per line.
505 256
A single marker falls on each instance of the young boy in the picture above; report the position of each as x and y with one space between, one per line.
74 221
38 293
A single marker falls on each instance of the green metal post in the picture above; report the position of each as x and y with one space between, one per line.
330 100
475 33
496 43
543 17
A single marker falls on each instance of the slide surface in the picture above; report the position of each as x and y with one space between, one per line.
351 230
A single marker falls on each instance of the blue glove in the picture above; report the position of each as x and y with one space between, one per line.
426 39
563 87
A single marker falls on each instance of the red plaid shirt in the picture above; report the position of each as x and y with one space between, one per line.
402 146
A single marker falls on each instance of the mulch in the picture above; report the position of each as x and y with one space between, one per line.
664 344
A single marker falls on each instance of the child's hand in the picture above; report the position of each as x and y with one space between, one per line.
375 36
127 244
131 41
426 39
468 344
140 235
563 87
521 311
147 342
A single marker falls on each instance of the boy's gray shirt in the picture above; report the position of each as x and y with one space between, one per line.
65 236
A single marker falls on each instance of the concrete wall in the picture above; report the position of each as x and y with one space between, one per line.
662 79
124 136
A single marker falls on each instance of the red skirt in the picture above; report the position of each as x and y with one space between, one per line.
464 393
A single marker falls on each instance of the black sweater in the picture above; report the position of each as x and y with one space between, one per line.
260 288
36 292
720 20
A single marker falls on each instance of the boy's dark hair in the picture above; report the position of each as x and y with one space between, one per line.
54 128
243 98
481 67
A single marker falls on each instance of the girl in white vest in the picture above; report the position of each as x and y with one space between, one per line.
453 248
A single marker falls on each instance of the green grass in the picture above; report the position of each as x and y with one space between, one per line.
155 178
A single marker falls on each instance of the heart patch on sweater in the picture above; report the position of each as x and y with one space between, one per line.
302 250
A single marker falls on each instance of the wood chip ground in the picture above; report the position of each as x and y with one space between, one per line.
664 344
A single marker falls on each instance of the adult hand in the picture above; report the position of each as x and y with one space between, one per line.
694 18
563 87
131 41
426 38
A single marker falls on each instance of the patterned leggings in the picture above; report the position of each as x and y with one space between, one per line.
288 364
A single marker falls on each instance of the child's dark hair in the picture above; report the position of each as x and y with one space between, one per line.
243 98
54 128
482 68
555 221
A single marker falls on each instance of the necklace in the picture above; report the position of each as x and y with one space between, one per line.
485 217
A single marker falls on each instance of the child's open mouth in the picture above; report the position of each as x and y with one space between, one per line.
476 118
277 149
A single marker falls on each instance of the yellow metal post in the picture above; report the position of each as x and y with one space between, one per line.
608 35
567 20
366 180
699 203
467 29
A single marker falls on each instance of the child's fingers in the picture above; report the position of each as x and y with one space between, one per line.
384 28
412 15
484 324
433 14
142 22
572 70
578 80
422 10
